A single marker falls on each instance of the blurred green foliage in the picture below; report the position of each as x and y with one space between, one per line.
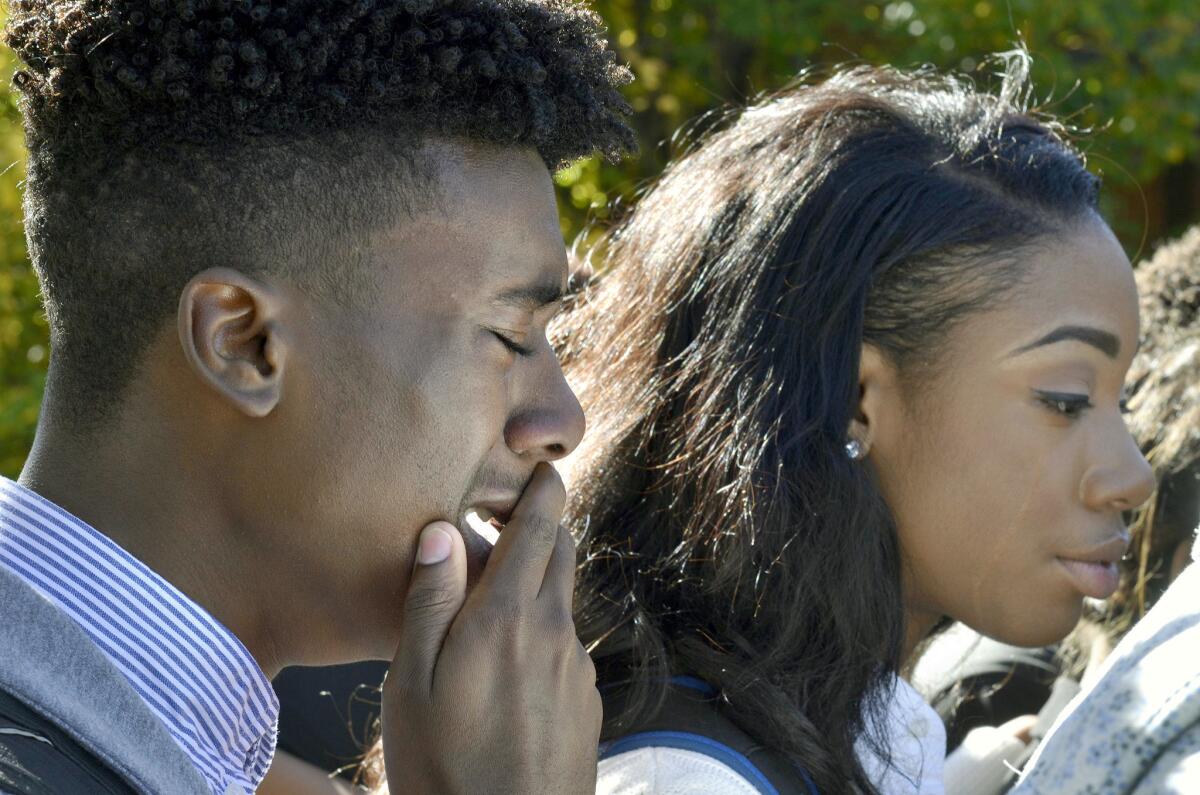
1128 69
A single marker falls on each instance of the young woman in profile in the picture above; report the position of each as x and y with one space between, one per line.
852 367
978 687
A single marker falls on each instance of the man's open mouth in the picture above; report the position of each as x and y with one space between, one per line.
485 524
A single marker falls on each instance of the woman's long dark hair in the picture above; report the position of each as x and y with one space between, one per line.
725 532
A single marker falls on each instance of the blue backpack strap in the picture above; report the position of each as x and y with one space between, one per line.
690 721
692 683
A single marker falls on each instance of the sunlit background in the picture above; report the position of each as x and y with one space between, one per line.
1126 73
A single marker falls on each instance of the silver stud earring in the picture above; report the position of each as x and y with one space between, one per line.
856 450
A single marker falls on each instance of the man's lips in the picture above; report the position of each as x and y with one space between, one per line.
1095 570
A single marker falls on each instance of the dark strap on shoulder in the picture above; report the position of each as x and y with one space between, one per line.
38 758
691 720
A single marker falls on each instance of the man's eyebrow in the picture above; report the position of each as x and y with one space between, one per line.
1104 341
531 297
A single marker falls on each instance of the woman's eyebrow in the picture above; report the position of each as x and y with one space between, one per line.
1104 341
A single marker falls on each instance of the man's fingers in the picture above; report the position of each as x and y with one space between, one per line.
436 592
518 562
559 582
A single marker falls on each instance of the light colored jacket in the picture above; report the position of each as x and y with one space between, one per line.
1136 730
50 664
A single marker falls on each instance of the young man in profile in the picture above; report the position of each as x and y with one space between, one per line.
298 260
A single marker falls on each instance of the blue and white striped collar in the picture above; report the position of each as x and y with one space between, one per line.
191 671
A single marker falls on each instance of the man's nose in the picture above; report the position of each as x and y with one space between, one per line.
550 425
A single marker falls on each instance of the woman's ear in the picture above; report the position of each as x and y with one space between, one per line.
876 407
230 330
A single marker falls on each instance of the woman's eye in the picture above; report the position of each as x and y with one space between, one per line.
512 344
1068 405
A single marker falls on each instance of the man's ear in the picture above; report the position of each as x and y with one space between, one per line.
876 396
229 327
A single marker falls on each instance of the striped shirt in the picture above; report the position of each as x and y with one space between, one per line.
192 672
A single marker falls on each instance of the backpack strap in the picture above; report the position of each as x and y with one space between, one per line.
690 720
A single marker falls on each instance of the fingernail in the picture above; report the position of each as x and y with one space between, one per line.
434 546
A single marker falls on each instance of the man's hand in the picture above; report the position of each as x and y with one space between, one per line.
494 693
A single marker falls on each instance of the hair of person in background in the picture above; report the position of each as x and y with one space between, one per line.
167 136
725 533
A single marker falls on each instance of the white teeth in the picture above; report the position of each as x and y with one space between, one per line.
479 521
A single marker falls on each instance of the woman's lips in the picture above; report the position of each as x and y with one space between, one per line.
1094 570
1097 579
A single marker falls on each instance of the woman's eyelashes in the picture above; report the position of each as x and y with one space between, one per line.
511 344
1067 404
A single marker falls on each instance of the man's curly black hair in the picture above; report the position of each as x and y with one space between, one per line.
201 70
166 136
